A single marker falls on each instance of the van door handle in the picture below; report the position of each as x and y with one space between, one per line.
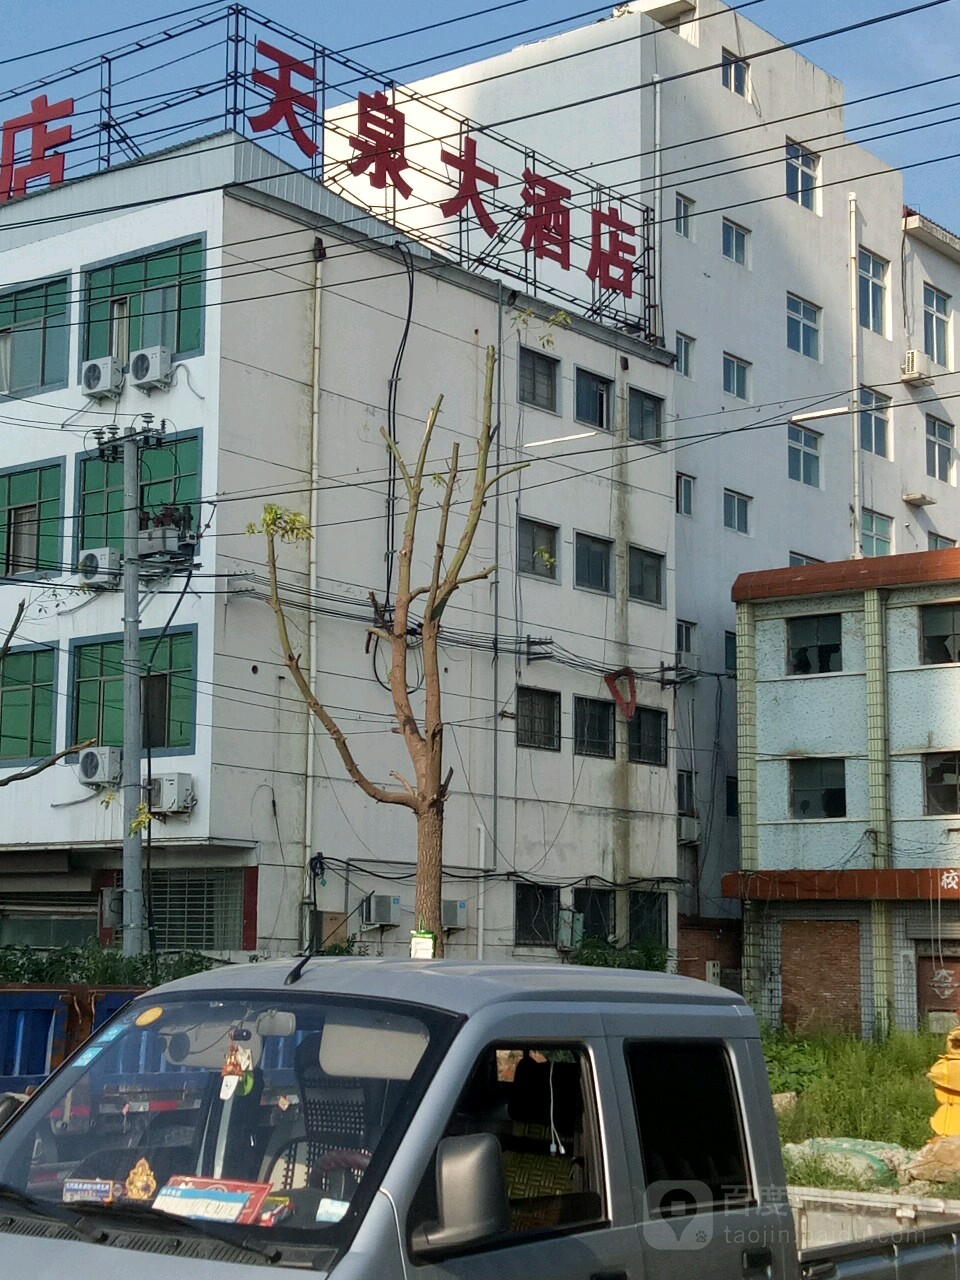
758 1262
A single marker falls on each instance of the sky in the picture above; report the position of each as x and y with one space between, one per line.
887 56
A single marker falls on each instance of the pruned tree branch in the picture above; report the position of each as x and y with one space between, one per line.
14 626
45 764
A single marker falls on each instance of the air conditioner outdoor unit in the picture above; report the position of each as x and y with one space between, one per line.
569 929
915 367
171 793
164 541
453 913
102 379
687 663
380 911
99 766
99 566
688 829
150 368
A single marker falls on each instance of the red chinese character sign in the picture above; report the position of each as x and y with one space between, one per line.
45 161
282 110
546 228
472 174
380 143
611 256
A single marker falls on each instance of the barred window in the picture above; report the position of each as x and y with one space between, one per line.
538 719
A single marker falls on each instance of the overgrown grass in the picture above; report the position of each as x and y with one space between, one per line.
821 1171
851 1088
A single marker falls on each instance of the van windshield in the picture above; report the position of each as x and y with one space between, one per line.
268 1114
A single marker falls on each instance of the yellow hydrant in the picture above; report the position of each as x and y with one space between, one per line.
945 1074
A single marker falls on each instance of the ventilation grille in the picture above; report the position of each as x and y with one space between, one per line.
197 909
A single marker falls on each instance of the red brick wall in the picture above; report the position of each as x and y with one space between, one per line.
701 940
820 974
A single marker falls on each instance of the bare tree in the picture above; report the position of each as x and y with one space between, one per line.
51 760
426 793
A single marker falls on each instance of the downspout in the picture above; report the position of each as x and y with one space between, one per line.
878 782
312 624
481 886
497 500
747 790
855 376
658 202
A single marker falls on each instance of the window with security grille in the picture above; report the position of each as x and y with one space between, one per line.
939 633
31 530
647 736
34 339
936 317
803 456
597 906
169 478
593 728
939 449
538 719
150 301
197 908
27 703
646 575
874 412
645 413
537 548
648 916
167 692
814 644
818 789
593 567
536 910
873 288
538 379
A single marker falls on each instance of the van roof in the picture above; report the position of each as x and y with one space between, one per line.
459 986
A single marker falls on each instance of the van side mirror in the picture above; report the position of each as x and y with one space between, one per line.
472 1203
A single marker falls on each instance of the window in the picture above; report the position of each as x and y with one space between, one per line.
647 736
597 906
873 422
34 339
645 413
685 804
733 796
538 379
26 703
876 533
197 908
594 563
689 1125
535 913
537 548
170 476
167 694
802 172
30 524
733 73
684 355
736 511
730 651
593 733
936 312
814 645
798 558
734 242
646 576
538 719
941 771
648 917
803 456
684 494
153 301
681 218
818 789
939 449
873 276
937 542
939 633
803 327
685 632
735 376
594 400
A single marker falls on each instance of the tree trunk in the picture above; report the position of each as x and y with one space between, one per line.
430 869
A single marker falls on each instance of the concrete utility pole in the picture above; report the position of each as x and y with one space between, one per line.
133 905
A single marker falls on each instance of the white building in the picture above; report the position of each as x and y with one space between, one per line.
850 790
292 323
789 280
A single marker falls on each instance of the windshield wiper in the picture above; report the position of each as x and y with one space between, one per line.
47 1209
174 1224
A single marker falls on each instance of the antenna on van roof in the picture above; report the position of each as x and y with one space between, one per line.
296 972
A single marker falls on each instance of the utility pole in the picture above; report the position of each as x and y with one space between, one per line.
133 904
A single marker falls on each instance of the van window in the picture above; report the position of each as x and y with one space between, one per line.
538 1102
689 1126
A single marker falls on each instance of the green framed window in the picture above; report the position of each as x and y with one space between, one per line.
167 693
34 337
26 703
169 476
152 301
30 526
